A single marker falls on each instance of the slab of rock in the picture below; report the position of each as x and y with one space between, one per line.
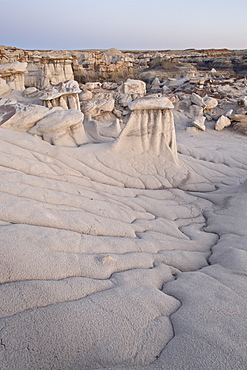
151 102
109 85
63 127
96 107
92 86
22 117
30 92
55 125
198 122
7 101
133 87
198 100
210 103
239 117
62 88
12 68
222 122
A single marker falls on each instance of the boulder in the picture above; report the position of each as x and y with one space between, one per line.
97 106
222 122
92 86
30 92
198 122
85 95
198 100
210 103
133 87
109 85
124 100
239 117
240 127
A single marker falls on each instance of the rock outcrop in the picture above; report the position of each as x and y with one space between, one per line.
13 74
145 153
64 94
45 70
55 125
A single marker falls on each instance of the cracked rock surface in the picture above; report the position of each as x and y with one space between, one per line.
97 274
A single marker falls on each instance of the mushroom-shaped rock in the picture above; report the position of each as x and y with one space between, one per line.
222 122
151 123
63 94
145 153
148 146
13 74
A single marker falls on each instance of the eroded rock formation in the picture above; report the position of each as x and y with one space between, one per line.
129 251
13 74
55 125
64 94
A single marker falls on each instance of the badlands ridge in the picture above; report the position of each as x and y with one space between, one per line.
123 218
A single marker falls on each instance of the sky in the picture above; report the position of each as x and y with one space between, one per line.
123 24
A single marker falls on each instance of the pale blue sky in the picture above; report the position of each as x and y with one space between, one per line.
123 24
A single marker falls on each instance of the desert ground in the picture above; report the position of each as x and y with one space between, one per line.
123 218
